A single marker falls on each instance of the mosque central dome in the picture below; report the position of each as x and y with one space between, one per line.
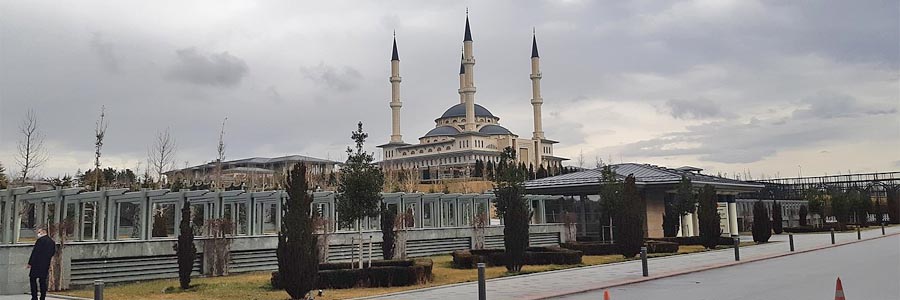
459 110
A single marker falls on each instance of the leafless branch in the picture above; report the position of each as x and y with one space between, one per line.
161 155
31 151
99 133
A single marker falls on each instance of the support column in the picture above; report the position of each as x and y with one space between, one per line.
732 216
687 222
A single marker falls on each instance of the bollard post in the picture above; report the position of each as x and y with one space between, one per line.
737 247
832 236
882 228
98 289
791 239
644 261
858 233
482 291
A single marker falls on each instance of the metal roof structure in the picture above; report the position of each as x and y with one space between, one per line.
442 131
645 175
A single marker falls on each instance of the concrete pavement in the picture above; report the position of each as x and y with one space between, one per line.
563 282
869 270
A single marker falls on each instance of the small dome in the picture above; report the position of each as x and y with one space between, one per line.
442 130
494 129
459 110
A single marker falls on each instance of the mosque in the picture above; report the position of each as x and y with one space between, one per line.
466 132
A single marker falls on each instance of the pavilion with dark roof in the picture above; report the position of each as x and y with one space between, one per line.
657 186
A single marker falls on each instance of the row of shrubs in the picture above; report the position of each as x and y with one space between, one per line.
467 259
600 248
382 273
694 240
806 228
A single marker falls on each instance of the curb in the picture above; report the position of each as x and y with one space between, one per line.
711 267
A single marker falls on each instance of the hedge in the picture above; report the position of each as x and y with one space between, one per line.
383 273
693 240
808 229
467 259
595 248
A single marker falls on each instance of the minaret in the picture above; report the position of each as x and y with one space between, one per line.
536 100
468 66
462 78
395 95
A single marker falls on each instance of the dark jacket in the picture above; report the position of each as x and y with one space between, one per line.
43 251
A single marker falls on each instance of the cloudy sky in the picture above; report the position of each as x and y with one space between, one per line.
765 87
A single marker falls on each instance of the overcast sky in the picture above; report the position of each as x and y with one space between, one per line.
766 87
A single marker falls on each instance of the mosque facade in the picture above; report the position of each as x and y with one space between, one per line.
466 132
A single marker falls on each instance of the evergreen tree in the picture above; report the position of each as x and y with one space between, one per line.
684 203
510 203
479 169
804 212
297 252
359 188
708 217
815 199
490 170
531 171
541 172
841 207
762 226
388 234
184 248
862 206
629 230
777 225
610 196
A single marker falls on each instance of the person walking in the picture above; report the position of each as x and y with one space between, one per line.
39 263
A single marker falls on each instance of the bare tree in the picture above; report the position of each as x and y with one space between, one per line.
99 133
32 153
598 162
161 155
581 158
220 150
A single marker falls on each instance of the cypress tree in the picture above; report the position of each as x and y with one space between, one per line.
629 230
297 252
762 226
388 234
804 212
511 205
490 170
777 226
541 172
184 248
708 217
479 169
531 171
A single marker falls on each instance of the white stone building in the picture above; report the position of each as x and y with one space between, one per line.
466 132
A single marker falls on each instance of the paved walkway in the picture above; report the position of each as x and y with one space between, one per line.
563 282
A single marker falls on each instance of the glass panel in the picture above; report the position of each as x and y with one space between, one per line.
228 212
49 214
241 216
411 210
72 216
536 215
163 220
27 223
198 218
89 220
269 212
427 212
449 217
129 223
465 212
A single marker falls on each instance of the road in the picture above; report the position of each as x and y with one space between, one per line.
868 270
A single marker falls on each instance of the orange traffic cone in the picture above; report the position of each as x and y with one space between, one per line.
839 291
606 295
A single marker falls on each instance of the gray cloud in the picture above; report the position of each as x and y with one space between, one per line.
694 109
828 105
215 69
105 53
735 141
344 79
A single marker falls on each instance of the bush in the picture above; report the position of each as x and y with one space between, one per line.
467 259
803 213
661 247
694 240
762 226
808 229
592 248
383 273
